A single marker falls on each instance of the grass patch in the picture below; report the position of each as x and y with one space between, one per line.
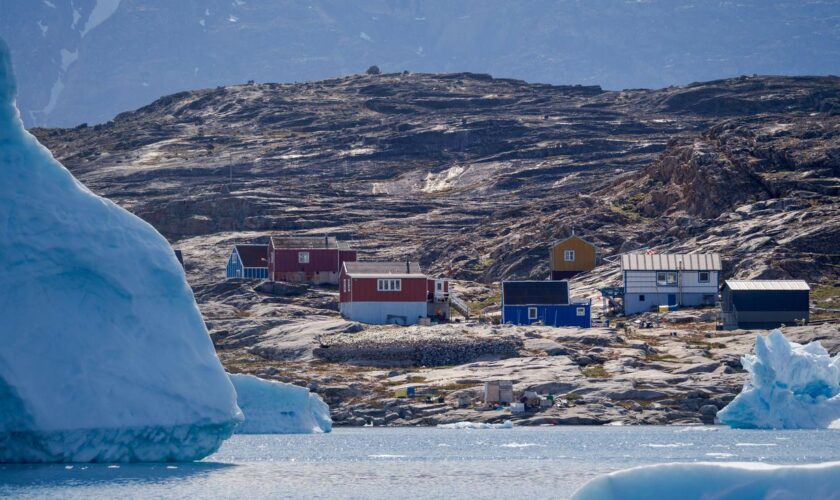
455 387
661 357
571 396
826 296
494 299
595 371
415 379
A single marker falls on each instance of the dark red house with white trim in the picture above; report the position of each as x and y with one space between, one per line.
391 293
307 259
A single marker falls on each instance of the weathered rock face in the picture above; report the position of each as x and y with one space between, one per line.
478 175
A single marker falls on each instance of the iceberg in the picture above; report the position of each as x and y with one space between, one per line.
507 424
105 356
791 386
728 480
272 407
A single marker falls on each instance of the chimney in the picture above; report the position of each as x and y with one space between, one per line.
326 241
407 265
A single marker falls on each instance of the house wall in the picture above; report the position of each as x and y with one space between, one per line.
634 305
381 313
364 290
584 256
550 315
763 309
323 266
234 266
645 282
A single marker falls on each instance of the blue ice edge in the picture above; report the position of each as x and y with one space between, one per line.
178 443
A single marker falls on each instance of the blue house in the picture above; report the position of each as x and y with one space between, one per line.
248 262
546 302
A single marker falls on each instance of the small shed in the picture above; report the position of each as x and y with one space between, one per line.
546 302
572 256
498 391
764 304
248 262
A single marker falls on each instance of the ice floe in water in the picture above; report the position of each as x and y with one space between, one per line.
272 407
791 386
721 480
521 445
105 356
507 424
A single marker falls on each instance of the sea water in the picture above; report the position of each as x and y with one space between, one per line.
419 462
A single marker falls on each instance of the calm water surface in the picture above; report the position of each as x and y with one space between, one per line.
418 462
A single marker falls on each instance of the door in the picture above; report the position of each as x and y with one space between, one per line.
672 299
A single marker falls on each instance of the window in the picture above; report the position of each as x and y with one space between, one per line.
439 286
303 257
388 285
641 298
532 313
666 278
569 255
581 311
703 276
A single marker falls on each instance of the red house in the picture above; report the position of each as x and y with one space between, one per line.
391 293
312 259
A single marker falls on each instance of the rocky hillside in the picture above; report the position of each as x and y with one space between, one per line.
477 175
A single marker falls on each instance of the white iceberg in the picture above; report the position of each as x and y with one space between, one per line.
507 424
105 356
726 480
791 386
272 407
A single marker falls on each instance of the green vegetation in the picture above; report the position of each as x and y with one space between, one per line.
455 387
595 371
826 296
495 298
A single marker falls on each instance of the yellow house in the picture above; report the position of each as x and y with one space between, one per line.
572 256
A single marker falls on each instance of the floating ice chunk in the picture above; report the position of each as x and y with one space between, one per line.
272 407
722 480
507 424
791 386
105 356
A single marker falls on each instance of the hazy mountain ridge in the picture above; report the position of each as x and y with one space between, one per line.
86 60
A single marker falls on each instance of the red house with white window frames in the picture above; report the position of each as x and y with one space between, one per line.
391 293
307 259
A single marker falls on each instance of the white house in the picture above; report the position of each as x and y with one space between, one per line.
656 280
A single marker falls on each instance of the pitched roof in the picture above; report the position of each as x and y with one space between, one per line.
308 242
572 237
671 262
406 269
767 285
253 255
535 292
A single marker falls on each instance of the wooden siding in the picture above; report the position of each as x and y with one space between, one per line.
645 282
364 290
584 255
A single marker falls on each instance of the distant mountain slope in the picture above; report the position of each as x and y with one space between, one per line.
86 60
478 175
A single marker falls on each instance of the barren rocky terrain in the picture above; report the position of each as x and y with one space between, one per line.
474 177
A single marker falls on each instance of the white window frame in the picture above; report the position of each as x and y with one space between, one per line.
665 275
532 313
439 286
700 277
303 257
581 311
388 285
568 255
